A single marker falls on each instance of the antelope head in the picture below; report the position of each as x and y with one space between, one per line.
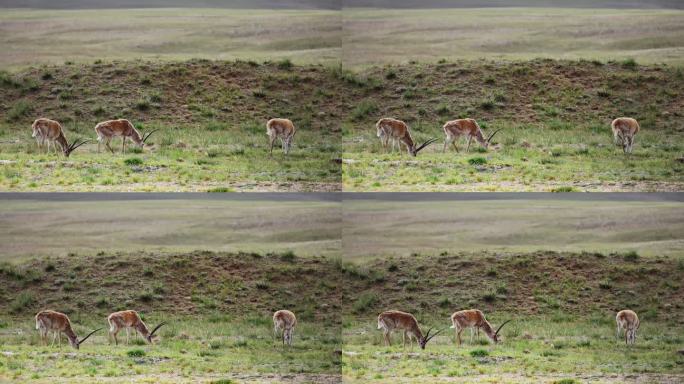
489 139
146 136
424 340
70 148
150 337
414 150
496 334
77 343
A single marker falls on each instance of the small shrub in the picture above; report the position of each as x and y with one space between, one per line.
565 381
363 109
261 285
489 297
487 105
444 302
46 76
136 353
477 161
19 109
23 301
365 302
285 64
563 189
390 75
479 353
631 256
629 63
133 161
288 256
142 105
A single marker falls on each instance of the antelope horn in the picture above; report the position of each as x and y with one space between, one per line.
425 144
492 135
148 134
501 326
90 334
76 144
434 334
157 327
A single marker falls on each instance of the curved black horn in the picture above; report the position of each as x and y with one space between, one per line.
77 144
157 327
492 135
425 144
501 326
434 334
90 334
148 134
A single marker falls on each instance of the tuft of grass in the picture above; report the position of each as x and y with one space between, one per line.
19 110
22 302
136 353
364 109
479 353
133 161
477 160
365 302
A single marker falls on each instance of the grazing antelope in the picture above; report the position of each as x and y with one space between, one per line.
50 131
624 130
389 321
468 127
58 323
473 318
629 322
397 131
107 130
130 319
283 129
284 321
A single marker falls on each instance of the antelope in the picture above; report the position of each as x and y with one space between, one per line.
469 127
58 323
130 319
389 321
283 129
284 321
473 318
629 322
398 131
624 130
107 130
50 131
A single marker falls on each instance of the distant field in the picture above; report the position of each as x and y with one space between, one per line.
379 229
305 228
398 36
29 37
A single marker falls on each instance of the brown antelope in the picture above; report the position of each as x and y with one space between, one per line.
130 319
629 322
473 319
284 321
398 131
465 127
389 321
624 130
58 323
107 130
283 129
50 131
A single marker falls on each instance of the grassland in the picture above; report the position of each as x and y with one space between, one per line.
307 228
378 229
381 36
555 119
34 36
218 307
211 116
562 306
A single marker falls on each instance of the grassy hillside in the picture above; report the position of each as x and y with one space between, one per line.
218 307
555 117
211 117
562 305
